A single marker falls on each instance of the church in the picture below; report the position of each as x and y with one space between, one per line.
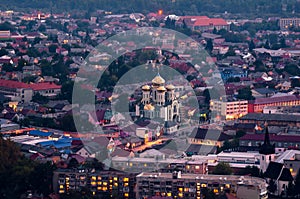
159 102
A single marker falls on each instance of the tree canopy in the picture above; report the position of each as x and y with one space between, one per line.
222 168
191 7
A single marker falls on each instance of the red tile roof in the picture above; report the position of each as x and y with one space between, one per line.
35 87
44 86
208 22
277 99
13 84
273 137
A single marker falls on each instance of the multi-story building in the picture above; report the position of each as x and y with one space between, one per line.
258 105
104 183
282 142
233 72
138 165
203 23
209 137
272 119
228 110
22 92
177 185
5 34
286 23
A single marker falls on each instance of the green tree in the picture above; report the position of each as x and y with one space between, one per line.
267 45
3 52
251 45
222 168
292 69
245 93
240 133
52 48
19 174
39 98
250 170
42 28
41 178
7 67
259 66
209 45
67 90
282 43
272 186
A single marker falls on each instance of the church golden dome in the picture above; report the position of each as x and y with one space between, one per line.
148 107
161 88
158 80
170 87
146 87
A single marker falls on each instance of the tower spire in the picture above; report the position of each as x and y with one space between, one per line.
267 136
158 67
266 148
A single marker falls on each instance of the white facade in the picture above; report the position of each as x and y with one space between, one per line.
159 101
265 161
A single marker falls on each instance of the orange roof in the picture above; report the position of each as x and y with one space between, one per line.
210 22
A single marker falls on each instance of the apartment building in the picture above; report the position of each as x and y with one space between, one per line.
107 184
203 23
272 119
258 105
23 92
177 185
228 109
286 23
137 165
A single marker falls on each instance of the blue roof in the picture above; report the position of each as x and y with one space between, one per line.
40 133
56 144
46 143
59 145
65 140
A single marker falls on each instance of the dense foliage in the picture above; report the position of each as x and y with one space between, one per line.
19 174
190 7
